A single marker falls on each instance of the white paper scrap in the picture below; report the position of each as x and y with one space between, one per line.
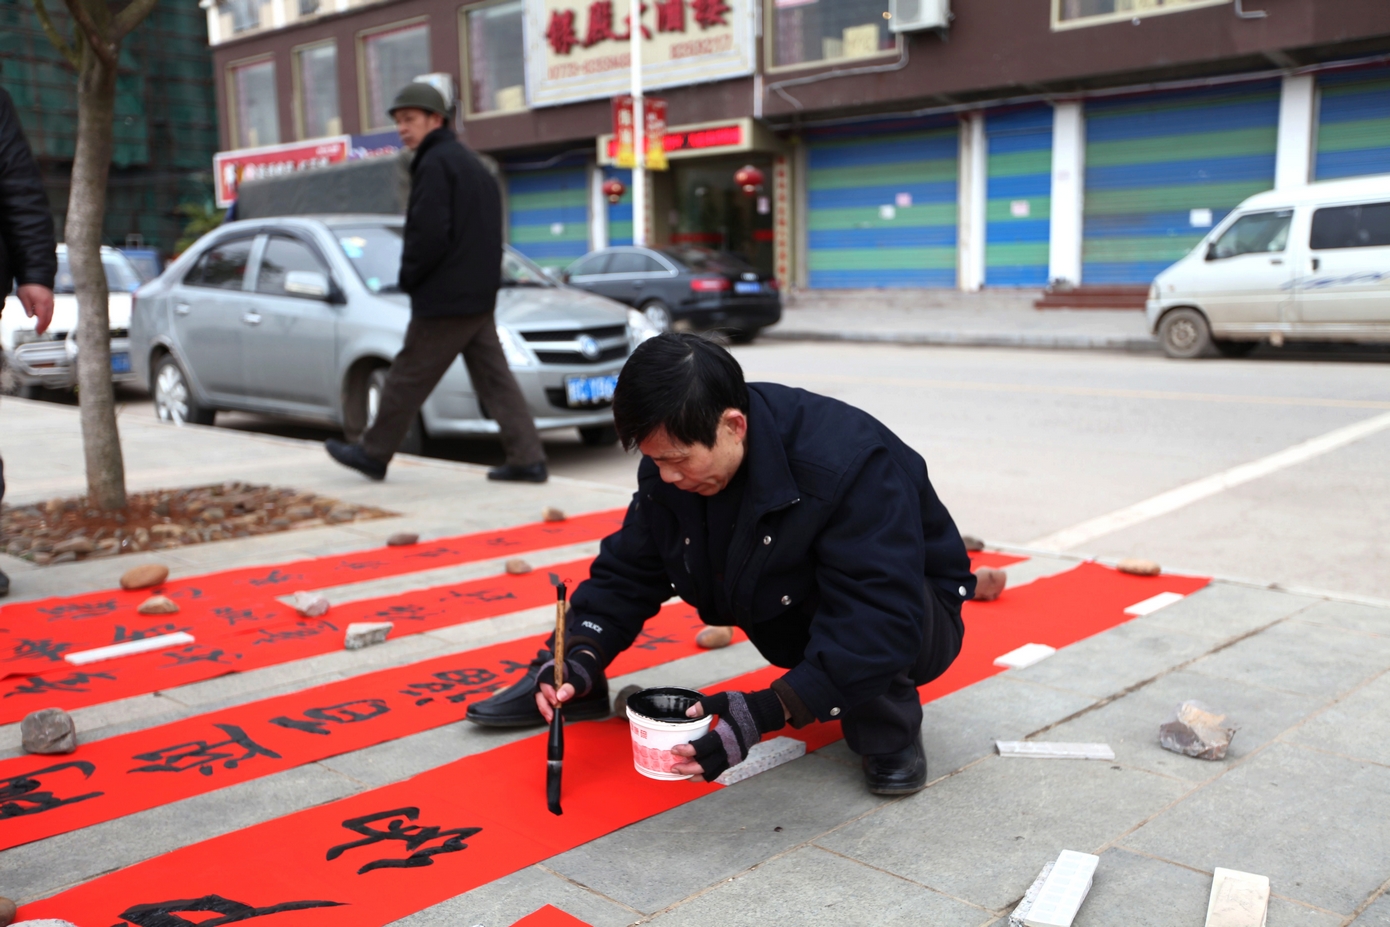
1238 899
1154 603
1023 656
111 651
1066 887
1042 750
764 756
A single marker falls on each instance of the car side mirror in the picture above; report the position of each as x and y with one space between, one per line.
1211 251
308 283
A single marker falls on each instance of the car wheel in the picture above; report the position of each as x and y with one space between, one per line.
1235 348
1184 333
599 436
414 441
744 335
173 396
657 314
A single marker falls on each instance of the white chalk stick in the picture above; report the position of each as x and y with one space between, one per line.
1238 899
1063 891
1043 750
764 756
1023 656
111 651
1153 603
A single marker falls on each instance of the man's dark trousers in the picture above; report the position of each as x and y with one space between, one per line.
431 344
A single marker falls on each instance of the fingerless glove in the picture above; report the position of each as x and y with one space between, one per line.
744 717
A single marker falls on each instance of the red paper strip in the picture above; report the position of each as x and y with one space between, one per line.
34 635
380 855
550 916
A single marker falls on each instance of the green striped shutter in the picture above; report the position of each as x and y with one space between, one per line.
548 214
620 213
1155 163
1019 196
882 210
1353 124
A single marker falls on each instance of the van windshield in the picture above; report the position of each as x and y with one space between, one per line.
1259 232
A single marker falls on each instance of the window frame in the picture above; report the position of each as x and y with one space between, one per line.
1321 207
298 87
1060 25
769 40
251 260
233 98
267 236
364 101
1286 212
466 63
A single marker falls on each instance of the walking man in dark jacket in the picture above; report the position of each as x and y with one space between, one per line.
798 518
451 265
28 253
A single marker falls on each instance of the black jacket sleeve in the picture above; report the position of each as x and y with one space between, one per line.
429 226
26 222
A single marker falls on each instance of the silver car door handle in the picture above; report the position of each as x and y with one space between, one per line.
1276 260
252 318
181 309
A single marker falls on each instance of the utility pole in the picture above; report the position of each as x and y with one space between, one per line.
639 128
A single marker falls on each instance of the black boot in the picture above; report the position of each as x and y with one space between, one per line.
534 473
900 773
352 455
516 706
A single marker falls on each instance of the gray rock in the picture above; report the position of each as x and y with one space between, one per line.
402 539
48 730
78 545
310 604
1195 730
366 633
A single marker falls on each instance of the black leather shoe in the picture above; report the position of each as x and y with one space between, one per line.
4 584
352 455
516 706
535 473
900 773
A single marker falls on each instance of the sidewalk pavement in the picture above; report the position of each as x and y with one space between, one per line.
989 318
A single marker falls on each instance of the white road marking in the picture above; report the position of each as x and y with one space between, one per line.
1174 499
1154 603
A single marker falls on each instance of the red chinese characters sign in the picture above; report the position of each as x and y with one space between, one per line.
678 142
231 168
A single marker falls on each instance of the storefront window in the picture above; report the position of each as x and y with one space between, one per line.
829 30
318 90
496 64
392 59
1092 12
257 115
308 7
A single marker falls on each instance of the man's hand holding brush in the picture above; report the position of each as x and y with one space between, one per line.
581 669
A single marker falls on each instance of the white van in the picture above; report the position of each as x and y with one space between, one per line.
1308 263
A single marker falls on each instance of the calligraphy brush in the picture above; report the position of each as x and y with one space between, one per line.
555 753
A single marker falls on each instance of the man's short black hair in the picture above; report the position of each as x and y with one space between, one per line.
680 382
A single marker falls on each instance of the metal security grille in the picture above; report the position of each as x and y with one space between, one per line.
1161 169
882 210
548 214
1019 196
1353 124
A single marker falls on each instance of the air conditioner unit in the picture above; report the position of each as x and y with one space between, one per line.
913 15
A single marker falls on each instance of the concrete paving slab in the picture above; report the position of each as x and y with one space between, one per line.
1222 611
408 756
1313 823
1348 615
1358 726
509 899
812 887
718 836
1320 661
1377 915
1038 566
1115 659
984 835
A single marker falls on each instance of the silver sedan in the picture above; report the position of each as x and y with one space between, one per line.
301 316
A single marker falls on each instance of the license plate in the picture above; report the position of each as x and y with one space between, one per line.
589 391
748 287
120 363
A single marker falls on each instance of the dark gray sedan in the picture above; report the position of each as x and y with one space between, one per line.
683 287
301 316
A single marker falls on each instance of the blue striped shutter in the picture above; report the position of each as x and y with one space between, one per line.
1353 124
620 213
548 214
1020 181
852 240
1152 160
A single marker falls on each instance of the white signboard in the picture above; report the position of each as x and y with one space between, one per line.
578 49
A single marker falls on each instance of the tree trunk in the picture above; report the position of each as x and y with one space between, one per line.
96 100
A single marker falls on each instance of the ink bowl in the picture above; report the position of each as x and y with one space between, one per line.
657 720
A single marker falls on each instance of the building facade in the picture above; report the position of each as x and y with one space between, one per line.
1085 142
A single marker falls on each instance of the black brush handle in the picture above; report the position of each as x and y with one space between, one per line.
555 755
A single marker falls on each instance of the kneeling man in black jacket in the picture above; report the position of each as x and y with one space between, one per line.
798 518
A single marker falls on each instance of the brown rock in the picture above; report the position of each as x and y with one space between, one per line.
42 558
166 531
66 556
77 545
620 703
1139 567
402 539
48 730
338 516
714 637
299 512
308 523
972 543
213 513
145 575
158 605
279 523
8 910
989 582
517 567
550 513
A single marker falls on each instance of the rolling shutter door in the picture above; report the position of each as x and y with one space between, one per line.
1353 124
620 213
882 210
548 214
1019 197
1161 169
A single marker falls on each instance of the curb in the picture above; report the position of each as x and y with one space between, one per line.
1126 343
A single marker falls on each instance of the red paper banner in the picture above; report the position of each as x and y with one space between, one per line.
380 855
550 916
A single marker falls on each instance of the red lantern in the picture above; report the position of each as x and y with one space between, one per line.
613 189
749 178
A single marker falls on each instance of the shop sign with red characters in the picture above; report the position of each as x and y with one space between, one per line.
580 49
230 168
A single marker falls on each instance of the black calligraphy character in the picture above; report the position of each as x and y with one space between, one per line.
45 649
412 835
274 577
73 682
202 756
232 615
301 630
197 653
20 795
361 564
346 713
649 641
501 541
139 634
512 666
166 913
404 613
77 611
483 595
432 552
